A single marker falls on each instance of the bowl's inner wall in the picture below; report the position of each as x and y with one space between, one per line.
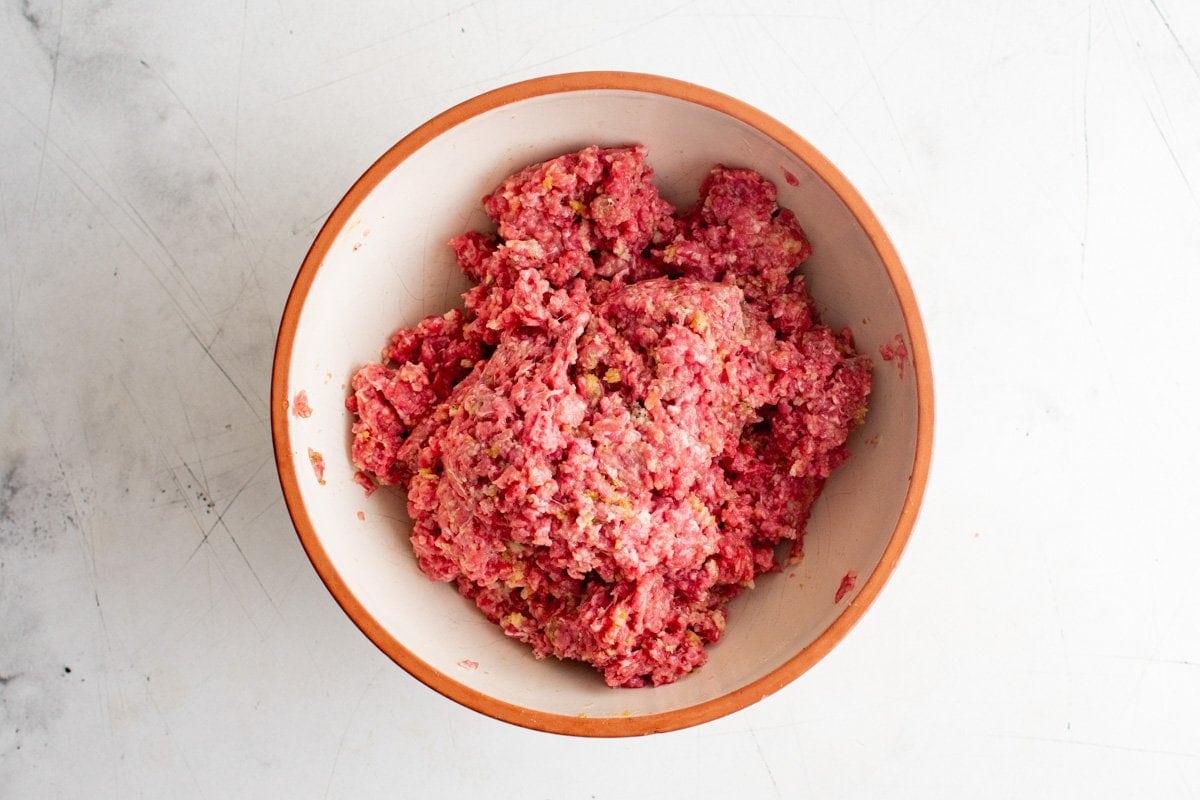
390 266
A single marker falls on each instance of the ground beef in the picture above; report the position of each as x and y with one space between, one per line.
633 411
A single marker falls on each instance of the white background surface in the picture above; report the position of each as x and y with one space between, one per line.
163 173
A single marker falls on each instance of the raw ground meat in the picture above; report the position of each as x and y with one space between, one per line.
849 580
895 350
634 409
300 406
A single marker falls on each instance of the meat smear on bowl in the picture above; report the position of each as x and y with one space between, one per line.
632 411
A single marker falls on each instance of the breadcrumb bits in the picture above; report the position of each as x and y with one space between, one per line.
318 465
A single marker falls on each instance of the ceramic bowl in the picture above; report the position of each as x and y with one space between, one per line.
381 261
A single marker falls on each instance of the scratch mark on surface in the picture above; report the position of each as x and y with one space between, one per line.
766 764
1062 635
1174 37
993 30
126 209
30 16
242 488
305 227
887 107
220 521
187 418
623 32
123 206
512 65
1132 697
643 23
16 286
85 540
225 312
175 300
274 501
1087 156
162 455
1102 745
1152 74
916 26
318 87
208 350
346 730
290 583
221 367
171 735
237 102
212 148
419 26
192 513
253 572
196 520
37 191
171 632
834 112
215 561
1153 660
196 296
376 65
1171 152
1184 780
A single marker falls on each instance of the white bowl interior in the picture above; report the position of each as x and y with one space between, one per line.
390 266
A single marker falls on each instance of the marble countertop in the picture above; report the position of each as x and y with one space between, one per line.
161 630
